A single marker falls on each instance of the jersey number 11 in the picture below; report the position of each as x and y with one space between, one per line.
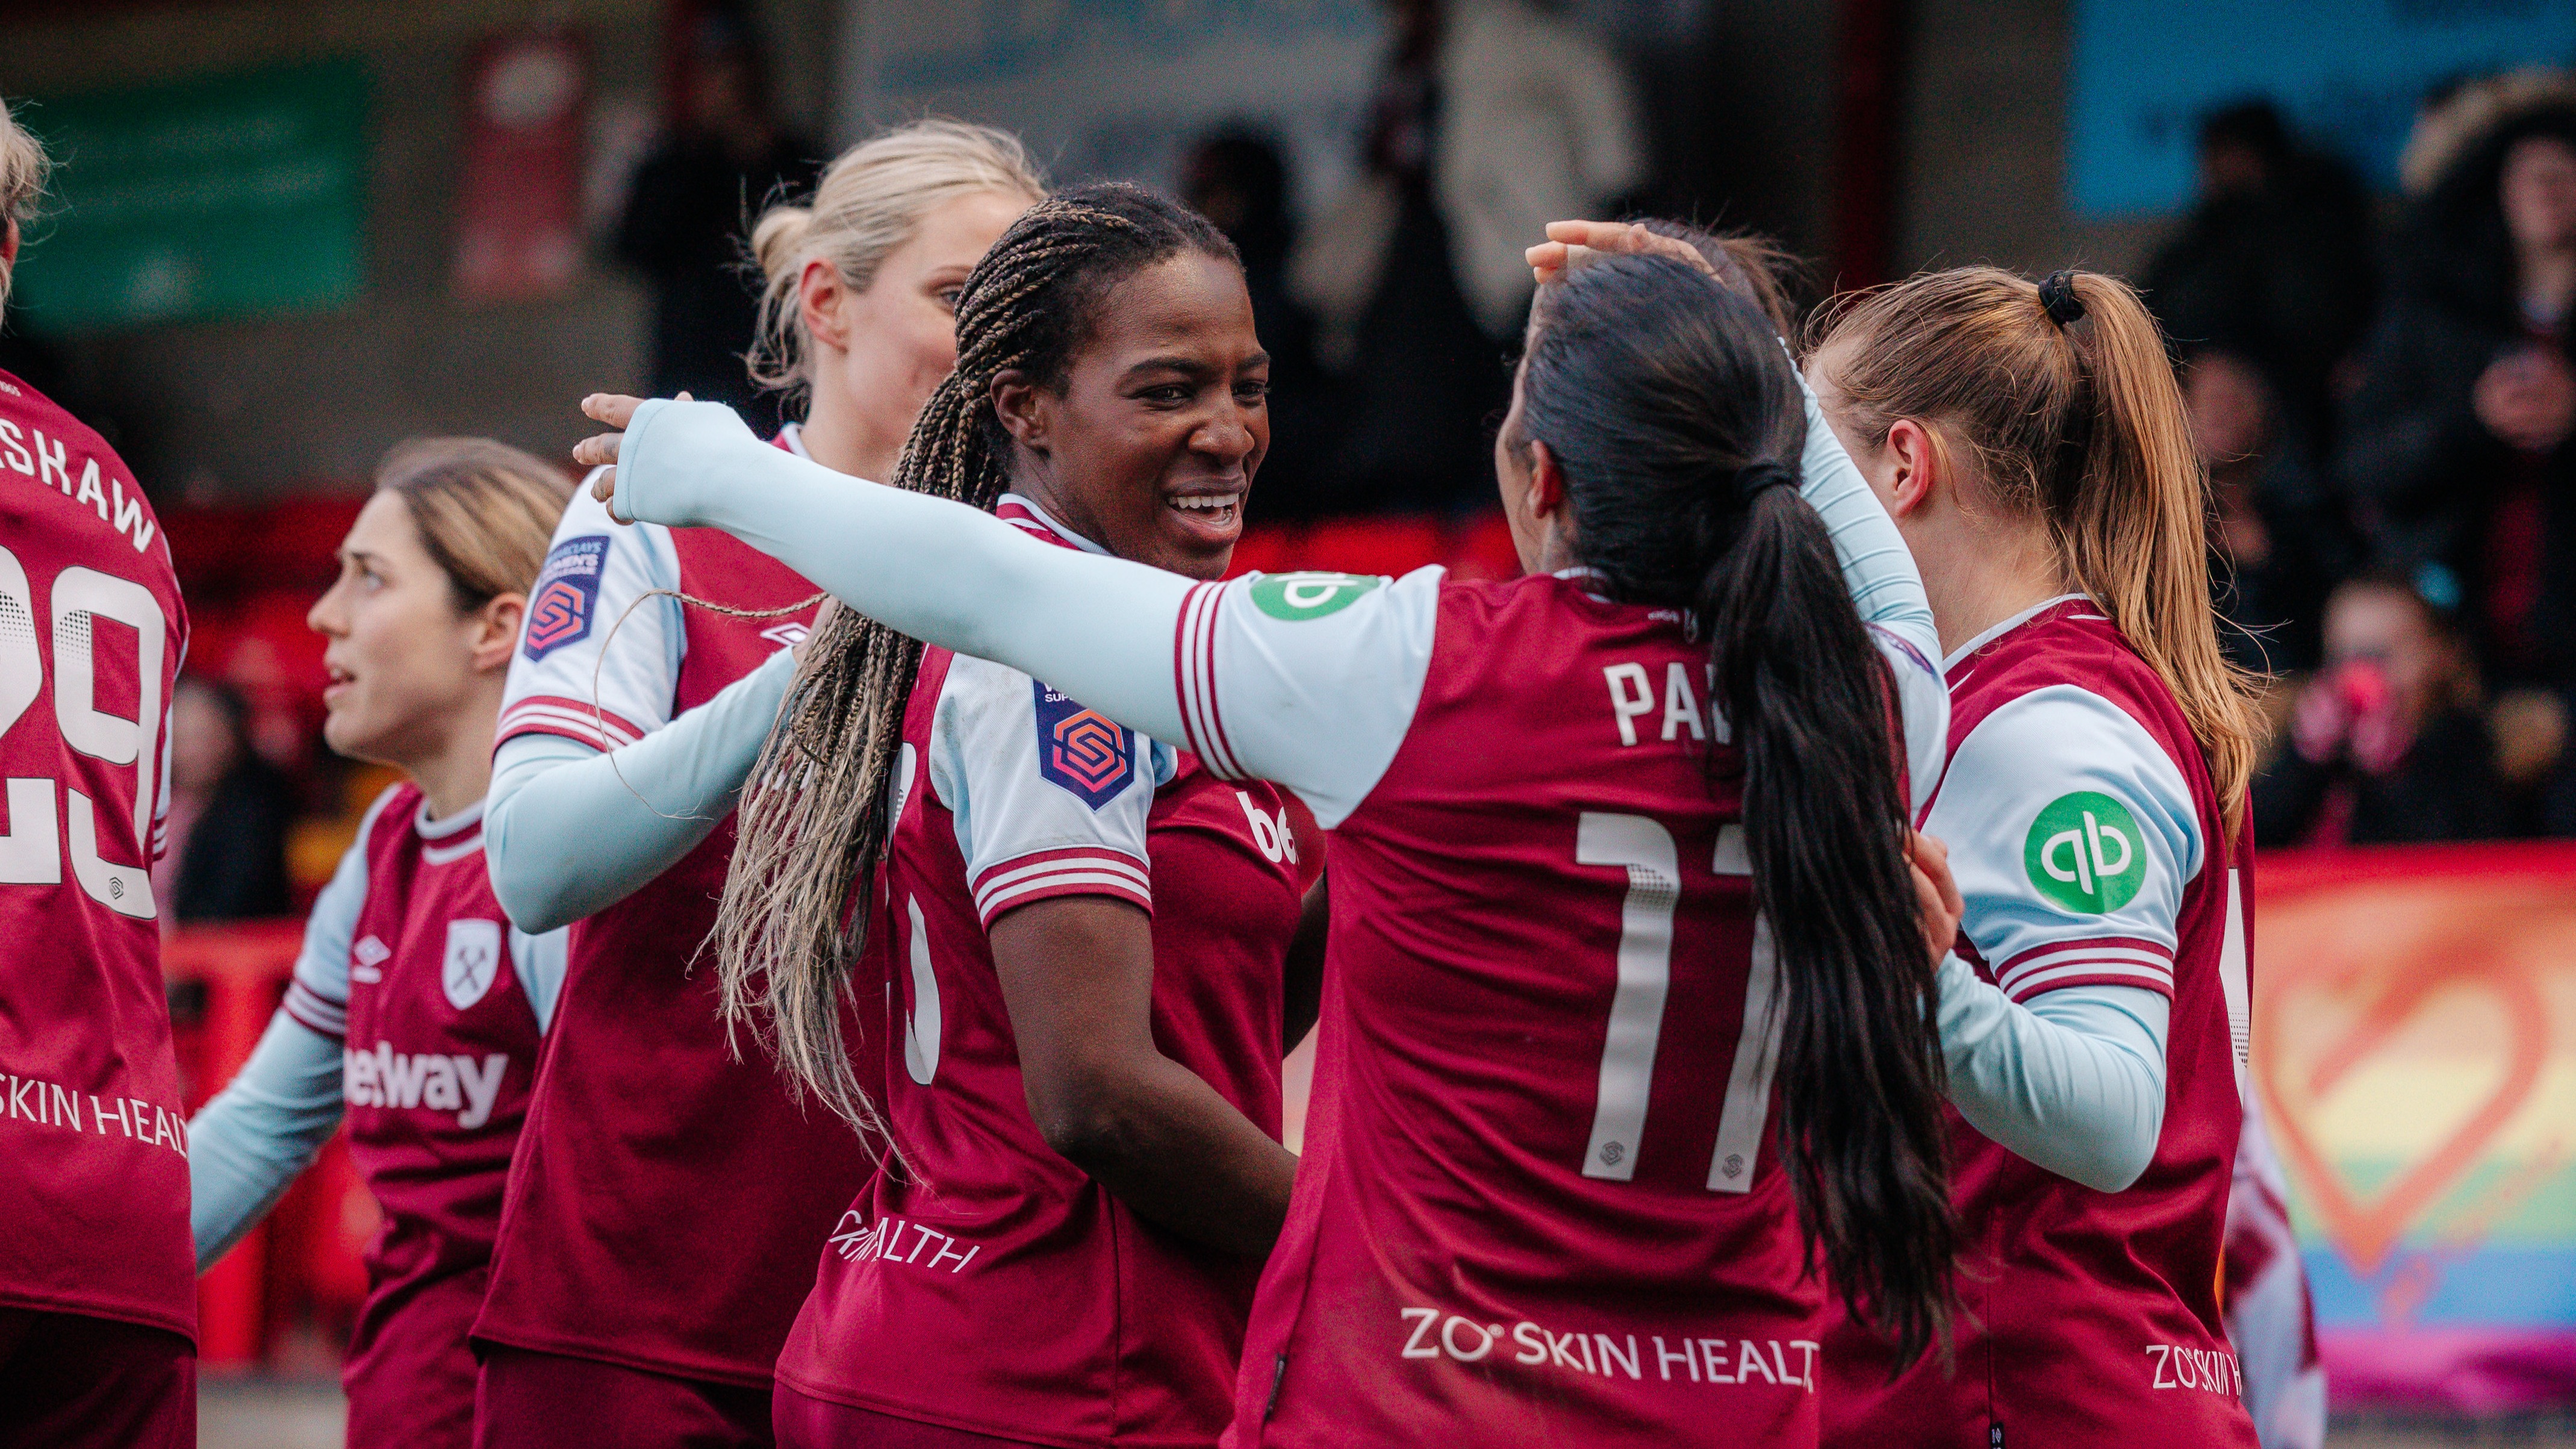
1653 863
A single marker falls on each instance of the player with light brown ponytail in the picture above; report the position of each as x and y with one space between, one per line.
2031 443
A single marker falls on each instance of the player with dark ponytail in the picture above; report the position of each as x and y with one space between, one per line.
1697 505
1609 1059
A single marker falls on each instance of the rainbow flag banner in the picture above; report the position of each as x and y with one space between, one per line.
2415 1046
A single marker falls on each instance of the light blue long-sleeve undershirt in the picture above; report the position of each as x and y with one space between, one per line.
570 830
2073 1082
258 1135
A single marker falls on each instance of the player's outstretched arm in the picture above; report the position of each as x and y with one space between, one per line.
1100 629
257 1136
569 830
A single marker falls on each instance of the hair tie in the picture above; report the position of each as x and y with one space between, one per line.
2057 298
1762 473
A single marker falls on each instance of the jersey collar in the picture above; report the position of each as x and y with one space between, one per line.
2007 626
1017 508
792 438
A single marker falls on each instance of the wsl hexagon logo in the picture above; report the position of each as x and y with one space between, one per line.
1081 750
566 594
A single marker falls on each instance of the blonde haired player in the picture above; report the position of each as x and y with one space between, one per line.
98 1313
415 1011
670 1199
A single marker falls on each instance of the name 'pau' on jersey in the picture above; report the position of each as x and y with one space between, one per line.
1540 1201
94 1199
2080 819
668 1199
411 965
996 1288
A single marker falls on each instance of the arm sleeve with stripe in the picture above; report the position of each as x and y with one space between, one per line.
2061 1056
1044 806
569 829
248 1144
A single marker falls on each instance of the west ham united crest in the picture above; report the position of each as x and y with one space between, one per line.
473 961
1081 750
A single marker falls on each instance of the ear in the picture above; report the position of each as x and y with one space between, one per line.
1546 482
820 298
1021 404
494 631
1915 455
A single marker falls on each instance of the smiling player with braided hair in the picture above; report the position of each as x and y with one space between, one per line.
1092 977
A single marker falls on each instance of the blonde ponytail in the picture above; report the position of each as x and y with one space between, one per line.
2068 409
866 205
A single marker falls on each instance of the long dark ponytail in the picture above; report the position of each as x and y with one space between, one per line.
814 819
1674 414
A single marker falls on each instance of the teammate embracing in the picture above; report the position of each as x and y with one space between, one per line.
669 1197
1628 986
1090 994
2030 441
98 1308
416 1008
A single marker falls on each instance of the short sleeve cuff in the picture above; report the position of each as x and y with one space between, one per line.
1046 874
317 1012
573 719
2106 961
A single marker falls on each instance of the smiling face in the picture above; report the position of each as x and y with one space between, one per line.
401 655
1150 445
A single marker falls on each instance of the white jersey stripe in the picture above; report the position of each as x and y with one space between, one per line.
604 729
993 903
2020 970
1025 866
2034 985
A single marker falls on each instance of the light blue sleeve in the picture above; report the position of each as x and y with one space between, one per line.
1099 629
1878 568
568 829
248 1144
2074 1081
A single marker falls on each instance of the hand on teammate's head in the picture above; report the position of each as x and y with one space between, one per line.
1568 240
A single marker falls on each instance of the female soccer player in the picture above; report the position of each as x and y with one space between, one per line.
2030 441
669 1198
1082 1065
98 1311
1654 782
414 1002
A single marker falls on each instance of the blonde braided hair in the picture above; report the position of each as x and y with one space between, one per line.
815 819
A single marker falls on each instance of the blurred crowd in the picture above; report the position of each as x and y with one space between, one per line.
2383 389
2384 395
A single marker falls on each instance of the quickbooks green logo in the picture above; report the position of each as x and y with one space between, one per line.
1296 597
2084 853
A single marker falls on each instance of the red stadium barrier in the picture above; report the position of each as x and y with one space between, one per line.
225 982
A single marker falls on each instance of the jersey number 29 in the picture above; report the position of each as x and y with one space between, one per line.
1653 863
32 853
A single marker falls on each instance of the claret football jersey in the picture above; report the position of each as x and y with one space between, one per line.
669 1195
1540 1202
2089 845
438 1003
94 1190
990 1285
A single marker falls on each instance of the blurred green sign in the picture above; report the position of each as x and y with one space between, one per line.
223 197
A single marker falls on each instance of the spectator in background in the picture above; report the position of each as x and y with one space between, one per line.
685 218
2457 444
2273 265
2280 539
229 812
1491 120
1237 179
2389 743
